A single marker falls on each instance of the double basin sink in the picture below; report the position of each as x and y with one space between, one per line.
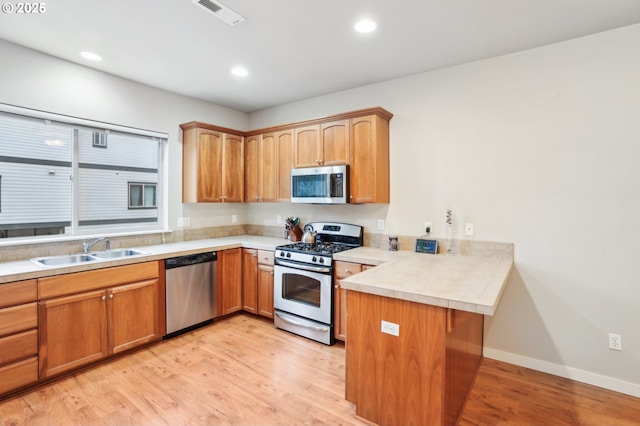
76 259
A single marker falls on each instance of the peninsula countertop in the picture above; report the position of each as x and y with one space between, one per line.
467 283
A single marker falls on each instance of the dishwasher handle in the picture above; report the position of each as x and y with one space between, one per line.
190 259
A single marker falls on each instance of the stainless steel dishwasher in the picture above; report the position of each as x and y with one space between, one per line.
190 291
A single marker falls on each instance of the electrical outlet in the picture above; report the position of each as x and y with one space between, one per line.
234 218
181 221
381 224
468 228
187 221
615 342
390 328
184 222
427 225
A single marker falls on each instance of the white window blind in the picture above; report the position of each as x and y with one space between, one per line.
67 178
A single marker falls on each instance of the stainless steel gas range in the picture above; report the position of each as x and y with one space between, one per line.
303 283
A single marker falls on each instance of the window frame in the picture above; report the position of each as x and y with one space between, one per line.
76 231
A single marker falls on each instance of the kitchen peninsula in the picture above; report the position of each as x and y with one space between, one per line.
415 332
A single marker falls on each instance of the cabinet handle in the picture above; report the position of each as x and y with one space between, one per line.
270 273
111 296
254 255
265 258
104 297
337 286
346 271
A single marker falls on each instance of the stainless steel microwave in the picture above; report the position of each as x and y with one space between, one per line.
320 185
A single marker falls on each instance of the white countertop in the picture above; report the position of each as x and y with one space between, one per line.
467 283
25 269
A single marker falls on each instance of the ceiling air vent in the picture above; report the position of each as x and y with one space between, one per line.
221 11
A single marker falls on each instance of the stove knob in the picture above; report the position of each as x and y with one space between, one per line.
322 260
288 254
314 259
281 254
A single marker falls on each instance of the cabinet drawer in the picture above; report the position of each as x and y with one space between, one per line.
61 285
18 292
18 318
14 376
346 269
18 346
265 257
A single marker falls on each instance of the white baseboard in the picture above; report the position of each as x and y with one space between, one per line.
610 383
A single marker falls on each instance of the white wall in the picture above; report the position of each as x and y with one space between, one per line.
541 149
32 80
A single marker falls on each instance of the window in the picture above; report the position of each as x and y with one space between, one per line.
142 195
62 175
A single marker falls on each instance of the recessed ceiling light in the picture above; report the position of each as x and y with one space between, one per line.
365 26
240 71
91 56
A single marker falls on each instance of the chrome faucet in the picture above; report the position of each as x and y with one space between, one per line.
87 244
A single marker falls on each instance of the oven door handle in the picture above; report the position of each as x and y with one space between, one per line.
304 267
299 324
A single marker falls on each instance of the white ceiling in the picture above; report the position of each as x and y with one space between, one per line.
298 49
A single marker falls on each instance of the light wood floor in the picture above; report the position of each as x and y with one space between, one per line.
242 371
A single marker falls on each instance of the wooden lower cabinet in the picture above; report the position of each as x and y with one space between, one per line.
265 290
423 375
257 282
79 329
18 335
341 271
229 281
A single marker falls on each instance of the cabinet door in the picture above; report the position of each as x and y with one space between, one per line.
73 332
230 281
209 159
265 290
308 151
369 171
251 169
233 169
285 153
342 270
133 315
335 142
268 167
250 280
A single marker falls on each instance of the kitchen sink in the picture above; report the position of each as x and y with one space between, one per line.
65 259
75 259
110 254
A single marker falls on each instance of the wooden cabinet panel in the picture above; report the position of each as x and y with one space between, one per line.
18 292
73 331
250 280
60 285
307 146
18 318
369 172
285 153
209 162
260 166
212 164
229 281
233 169
335 139
18 346
14 376
341 271
265 290
132 314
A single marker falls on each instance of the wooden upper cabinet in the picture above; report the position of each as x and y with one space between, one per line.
369 171
307 148
260 168
335 140
212 164
285 156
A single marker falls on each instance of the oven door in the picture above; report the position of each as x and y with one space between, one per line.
304 293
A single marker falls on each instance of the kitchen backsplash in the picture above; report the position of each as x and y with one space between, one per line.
460 247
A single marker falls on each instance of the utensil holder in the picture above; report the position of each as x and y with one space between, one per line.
295 234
